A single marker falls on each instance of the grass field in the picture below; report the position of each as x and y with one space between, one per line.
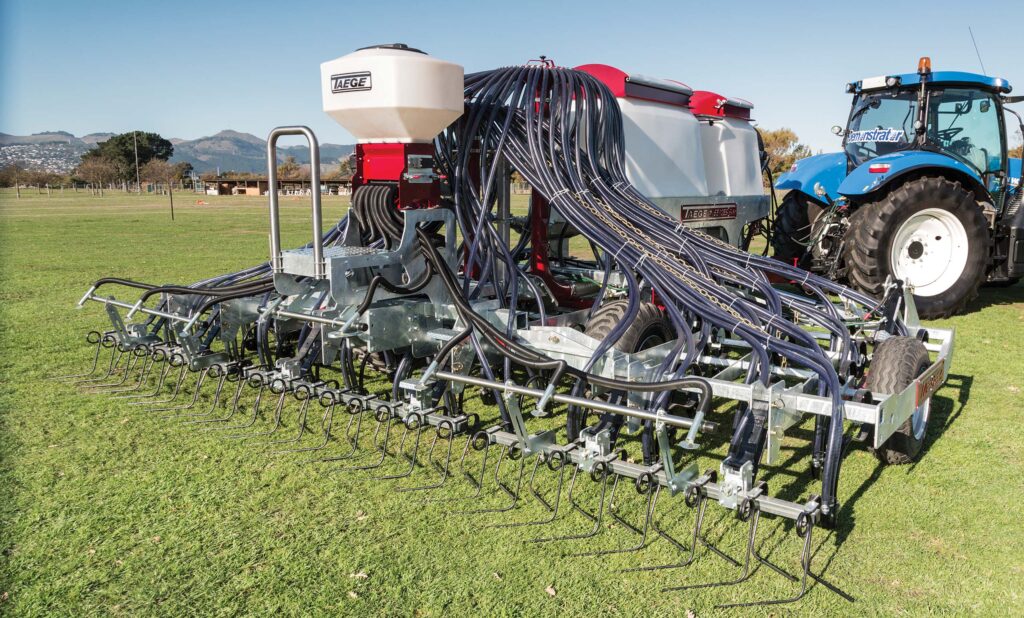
108 510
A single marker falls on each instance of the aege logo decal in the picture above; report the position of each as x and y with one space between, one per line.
351 82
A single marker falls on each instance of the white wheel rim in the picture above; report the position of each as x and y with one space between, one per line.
919 419
930 251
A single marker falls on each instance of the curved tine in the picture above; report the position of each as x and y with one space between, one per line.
700 507
256 412
501 485
477 486
115 358
98 388
300 419
771 565
135 384
213 406
174 395
382 449
444 471
325 429
533 488
642 532
160 381
191 404
553 509
412 458
744 574
597 519
133 391
234 410
353 441
805 564
95 364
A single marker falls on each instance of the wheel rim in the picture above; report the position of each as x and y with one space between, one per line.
929 251
919 419
650 341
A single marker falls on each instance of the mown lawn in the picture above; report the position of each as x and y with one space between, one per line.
106 508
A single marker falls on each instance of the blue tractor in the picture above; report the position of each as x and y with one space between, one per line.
923 192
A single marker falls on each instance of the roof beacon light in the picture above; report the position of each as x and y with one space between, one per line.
924 65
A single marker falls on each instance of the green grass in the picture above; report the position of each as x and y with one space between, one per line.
106 509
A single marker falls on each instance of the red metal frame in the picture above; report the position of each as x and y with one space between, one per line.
540 263
389 163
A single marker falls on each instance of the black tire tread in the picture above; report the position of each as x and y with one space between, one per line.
792 224
611 313
873 225
896 362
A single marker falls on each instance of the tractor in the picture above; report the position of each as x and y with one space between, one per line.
923 192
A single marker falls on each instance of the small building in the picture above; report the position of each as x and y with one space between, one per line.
257 186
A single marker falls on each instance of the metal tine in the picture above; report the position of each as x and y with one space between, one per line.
602 478
557 466
174 395
95 359
115 358
388 421
514 494
745 573
195 396
98 388
325 429
804 529
165 367
224 419
306 391
224 378
418 427
356 411
137 386
478 442
446 431
695 499
256 412
648 488
124 372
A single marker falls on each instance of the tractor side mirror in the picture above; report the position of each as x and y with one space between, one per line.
984 106
838 130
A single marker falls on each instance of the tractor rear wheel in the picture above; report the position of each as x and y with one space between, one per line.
794 227
929 233
897 361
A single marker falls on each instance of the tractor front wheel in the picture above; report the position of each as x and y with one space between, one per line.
794 222
929 233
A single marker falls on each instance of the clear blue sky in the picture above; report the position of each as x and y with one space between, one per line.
187 69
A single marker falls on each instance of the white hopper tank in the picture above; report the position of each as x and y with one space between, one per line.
392 93
662 136
707 175
729 143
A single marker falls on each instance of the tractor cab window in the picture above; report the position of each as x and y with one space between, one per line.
965 124
880 123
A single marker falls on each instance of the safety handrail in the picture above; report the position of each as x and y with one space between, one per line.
276 257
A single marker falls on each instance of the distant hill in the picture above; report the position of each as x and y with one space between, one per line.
60 151
244 152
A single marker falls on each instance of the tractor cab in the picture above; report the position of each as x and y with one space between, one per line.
923 191
959 115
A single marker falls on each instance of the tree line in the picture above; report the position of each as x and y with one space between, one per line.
125 160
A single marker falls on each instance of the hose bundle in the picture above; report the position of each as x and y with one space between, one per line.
562 130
